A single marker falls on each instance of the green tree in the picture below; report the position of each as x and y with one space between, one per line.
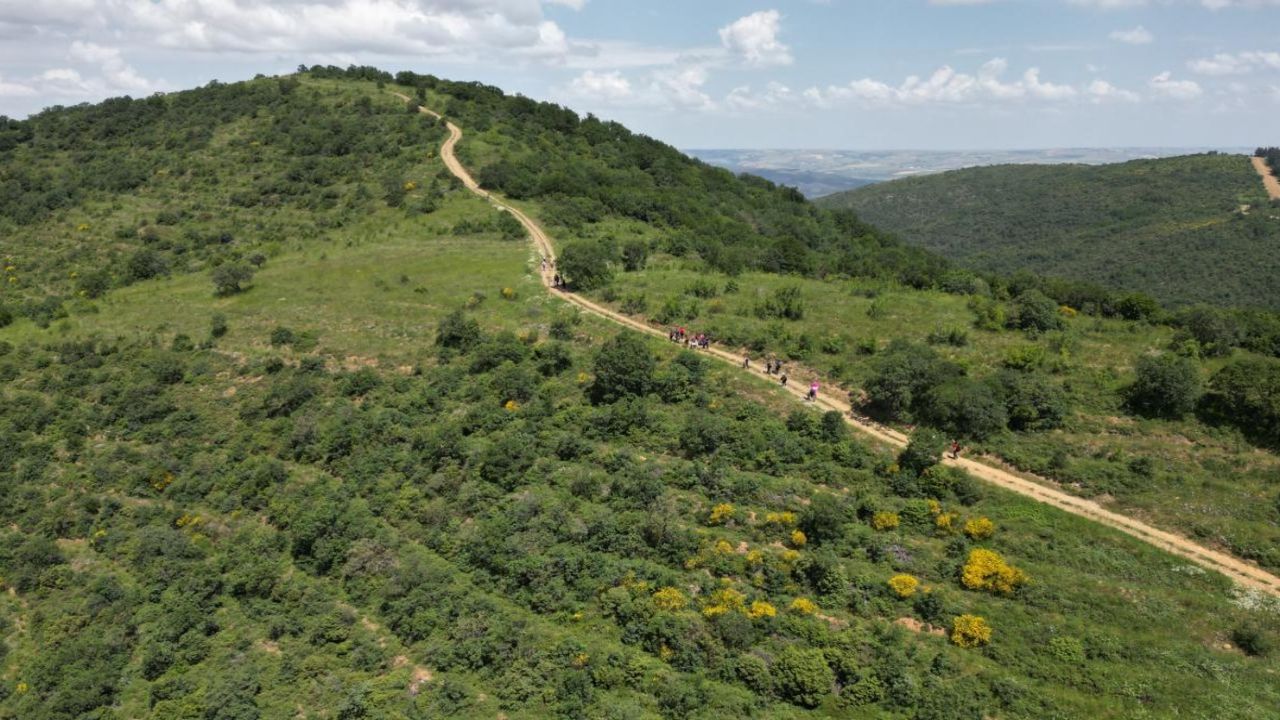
634 255
585 265
923 452
625 367
1034 312
228 278
1167 385
802 676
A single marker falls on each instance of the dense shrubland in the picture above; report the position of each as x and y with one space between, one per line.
548 529
1187 230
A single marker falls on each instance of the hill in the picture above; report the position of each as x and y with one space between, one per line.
383 474
1187 230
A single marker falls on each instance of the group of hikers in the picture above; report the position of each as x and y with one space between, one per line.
699 341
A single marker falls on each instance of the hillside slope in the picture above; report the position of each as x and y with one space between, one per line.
388 476
1173 228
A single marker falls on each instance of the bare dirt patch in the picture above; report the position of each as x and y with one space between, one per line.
1269 180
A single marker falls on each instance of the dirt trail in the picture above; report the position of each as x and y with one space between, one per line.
1040 489
1269 180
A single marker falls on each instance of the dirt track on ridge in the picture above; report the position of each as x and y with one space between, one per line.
1242 572
1269 180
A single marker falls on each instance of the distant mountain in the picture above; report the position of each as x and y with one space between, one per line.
1186 229
822 172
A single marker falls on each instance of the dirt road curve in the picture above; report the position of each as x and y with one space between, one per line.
1269 180
1234 568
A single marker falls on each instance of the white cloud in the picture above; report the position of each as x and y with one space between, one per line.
755 39
946 86
1109 4
1163 85
118 74
775 94
1235 63
431 27
683 88
1137 36
13 89
1100 91
609 86
1221 4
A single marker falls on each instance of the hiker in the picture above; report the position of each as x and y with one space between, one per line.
955 449
813 391
544 263
746 362
784 379
557 281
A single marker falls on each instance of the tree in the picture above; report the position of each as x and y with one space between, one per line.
228 278
458 332
802 676
923 452
625 367
144 265
966 407
1034 312
905 373
1166 386
585 265
510 227
1246 393
634 255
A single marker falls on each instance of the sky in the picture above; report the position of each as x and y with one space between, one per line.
841 74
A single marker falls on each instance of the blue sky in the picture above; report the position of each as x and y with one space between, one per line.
850 74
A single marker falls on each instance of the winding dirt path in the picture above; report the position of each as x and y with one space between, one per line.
1040 489
1269 180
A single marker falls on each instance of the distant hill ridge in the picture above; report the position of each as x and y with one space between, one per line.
1190 229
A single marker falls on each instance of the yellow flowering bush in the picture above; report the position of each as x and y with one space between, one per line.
903 585
798 538
669 599
980 528
508 293
785 518
580 660
970 631
722 601
723 547
803 606
986 570
410 186
885 520
755 557
721 514
1068 311
511 406
945 522
935 507
761 609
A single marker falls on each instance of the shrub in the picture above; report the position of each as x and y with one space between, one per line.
922 452
969 631
585 265
624 368
670 599
282 336
965 407
798 538
904 586
979 528
1166 386
885 520
217 325
1252 640
1034 312
1246 393
802 676
903 375
786 303
634 255
760 609
721 514
458 332
1033 402
803 606
228 278
987 570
